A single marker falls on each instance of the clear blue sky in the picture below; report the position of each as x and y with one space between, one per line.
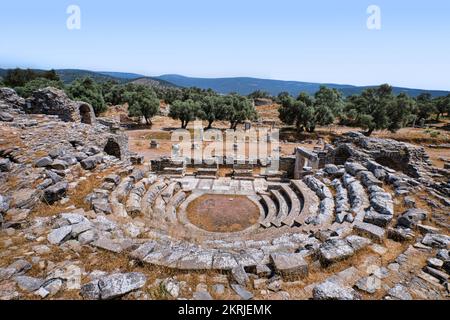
318 41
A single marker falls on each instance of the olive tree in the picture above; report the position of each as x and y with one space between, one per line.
185 111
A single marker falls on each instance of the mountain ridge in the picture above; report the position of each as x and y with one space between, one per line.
247 85
241 85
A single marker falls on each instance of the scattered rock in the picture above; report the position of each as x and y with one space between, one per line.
290 264
242 292
6 117
399 292
43 162
172 287
29 284
5 165
59 235
329 290
240 276
55 192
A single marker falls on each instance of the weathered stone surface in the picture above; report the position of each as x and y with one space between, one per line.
330 290
55 192
369 230
242 292
59 235
87 237
382 203
224 261
59 165
436 240
24 198
353 168
113 178
89 163
399 292
369 284
411 218
6 117
4 204
358 243
91 290
240 276
29 284
107 244
43 162
368 179
172 287
113 286
202 296
290 264
116 285
5 165
334 250
378 219
400 234
331 169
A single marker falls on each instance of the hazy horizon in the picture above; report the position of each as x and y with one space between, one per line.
321 42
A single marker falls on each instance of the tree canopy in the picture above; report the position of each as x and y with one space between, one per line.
142 102
442 105
307 112
425 106
19 77
87 90
185 111
28 88
238 109
212 109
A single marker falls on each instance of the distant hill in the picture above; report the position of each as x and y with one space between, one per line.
3 72
69 75
245 86
154 82
241 85
122 75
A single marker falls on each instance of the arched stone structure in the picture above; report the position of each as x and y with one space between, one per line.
86 114
113 148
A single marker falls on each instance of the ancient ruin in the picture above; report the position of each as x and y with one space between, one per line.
355 218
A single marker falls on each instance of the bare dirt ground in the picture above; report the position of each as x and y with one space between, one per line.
222 213
139 140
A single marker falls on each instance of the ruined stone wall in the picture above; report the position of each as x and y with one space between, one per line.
53 101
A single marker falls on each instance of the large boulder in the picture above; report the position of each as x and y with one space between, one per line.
24 198
113 286
6 117
330 290
43 162
411 218
59 235
290 264
55 192
353 168
334 250
5 165
440 241
370 230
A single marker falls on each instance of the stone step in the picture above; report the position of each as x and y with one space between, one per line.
295 205
271 212
283 208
